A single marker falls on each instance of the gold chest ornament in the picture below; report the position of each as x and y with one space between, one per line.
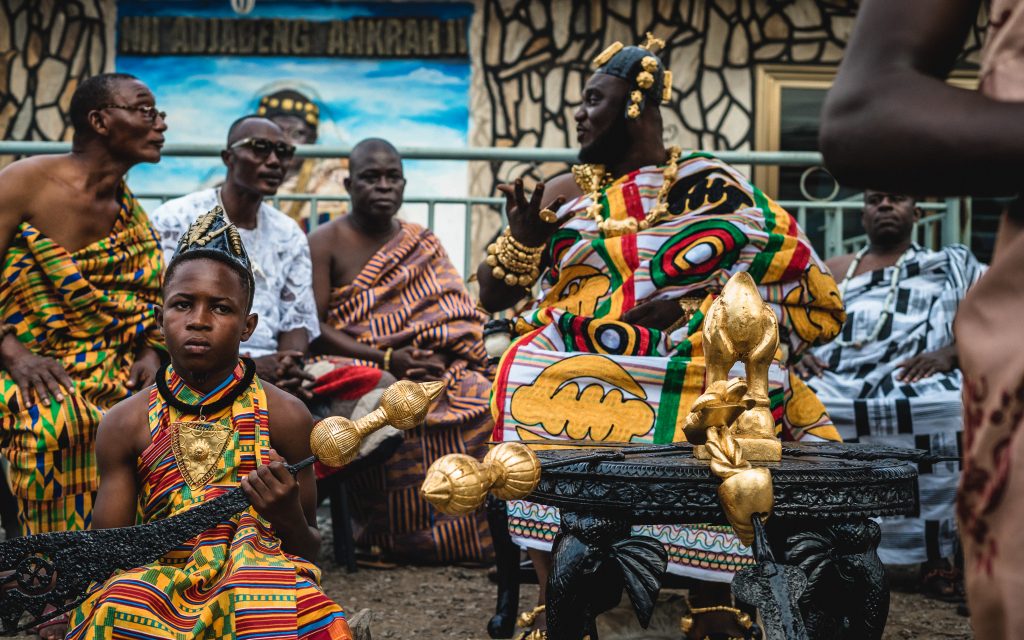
198 449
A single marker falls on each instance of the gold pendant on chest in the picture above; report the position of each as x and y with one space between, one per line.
198 448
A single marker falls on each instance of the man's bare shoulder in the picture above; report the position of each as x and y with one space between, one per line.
286 410
839 264
126 425
328 236
29 175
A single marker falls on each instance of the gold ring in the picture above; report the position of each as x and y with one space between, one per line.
548 216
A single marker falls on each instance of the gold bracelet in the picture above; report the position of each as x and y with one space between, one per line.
387 359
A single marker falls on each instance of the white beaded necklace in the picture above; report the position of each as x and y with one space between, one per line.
887 306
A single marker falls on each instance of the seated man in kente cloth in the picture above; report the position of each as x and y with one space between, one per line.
391 300
630 250
256 157
209 424
891 377
78 298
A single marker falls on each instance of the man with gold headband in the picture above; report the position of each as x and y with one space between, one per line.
299 118
629 251
78 298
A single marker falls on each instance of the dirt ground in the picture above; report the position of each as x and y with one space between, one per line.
456 603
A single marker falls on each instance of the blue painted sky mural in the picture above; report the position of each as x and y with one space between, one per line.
411 102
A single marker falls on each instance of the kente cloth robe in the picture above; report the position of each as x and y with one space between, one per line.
91 310
578 372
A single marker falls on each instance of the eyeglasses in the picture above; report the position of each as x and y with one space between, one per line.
148 112
262 147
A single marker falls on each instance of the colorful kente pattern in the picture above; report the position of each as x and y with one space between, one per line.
409 294
579 371
232 581
90 310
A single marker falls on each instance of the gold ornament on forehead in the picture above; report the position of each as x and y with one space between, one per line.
198 448
606 55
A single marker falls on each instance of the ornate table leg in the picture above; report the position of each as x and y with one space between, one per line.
594 559
847 592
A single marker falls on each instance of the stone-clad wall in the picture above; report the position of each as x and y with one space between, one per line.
535 57
46 48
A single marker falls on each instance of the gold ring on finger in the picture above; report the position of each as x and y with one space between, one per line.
548 216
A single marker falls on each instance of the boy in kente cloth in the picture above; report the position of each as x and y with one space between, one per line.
208 425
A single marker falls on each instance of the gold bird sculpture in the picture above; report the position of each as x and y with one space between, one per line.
739 327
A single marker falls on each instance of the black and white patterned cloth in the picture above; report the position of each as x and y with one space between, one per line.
868 404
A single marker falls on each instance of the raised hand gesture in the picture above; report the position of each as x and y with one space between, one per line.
527 221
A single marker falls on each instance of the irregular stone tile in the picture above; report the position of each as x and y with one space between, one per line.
18 77
56 31
51 79
717 32
50 122
804 15
23 120
739 47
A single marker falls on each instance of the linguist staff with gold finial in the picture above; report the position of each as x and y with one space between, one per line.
628 252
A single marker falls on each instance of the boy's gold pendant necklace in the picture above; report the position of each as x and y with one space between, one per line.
198 447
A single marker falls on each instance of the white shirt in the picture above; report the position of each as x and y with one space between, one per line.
279 253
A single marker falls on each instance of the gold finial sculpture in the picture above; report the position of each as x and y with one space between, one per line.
744 490
739 327
731 423
456 484
403 405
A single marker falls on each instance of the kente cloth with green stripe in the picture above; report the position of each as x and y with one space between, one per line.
232 581
90 310
579 372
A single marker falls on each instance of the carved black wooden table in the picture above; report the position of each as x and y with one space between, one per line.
825 495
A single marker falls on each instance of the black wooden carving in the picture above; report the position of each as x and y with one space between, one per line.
54 569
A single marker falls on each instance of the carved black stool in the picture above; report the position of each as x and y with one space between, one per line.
825 495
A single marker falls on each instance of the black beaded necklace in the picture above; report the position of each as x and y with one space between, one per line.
212 407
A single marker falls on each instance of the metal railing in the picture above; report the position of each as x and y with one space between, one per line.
940 226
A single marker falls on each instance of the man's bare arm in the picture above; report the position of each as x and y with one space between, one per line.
332 341
289 503
119 441
892 122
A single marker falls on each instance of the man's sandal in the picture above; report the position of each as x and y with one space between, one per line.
750 631
526 621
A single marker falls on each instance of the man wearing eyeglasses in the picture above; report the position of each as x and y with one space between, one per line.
78 298
257 157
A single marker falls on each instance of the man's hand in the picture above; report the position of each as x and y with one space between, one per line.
143 371
810 365
524 220
656 314
410 363
274 492
41 374
284 369
926 364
